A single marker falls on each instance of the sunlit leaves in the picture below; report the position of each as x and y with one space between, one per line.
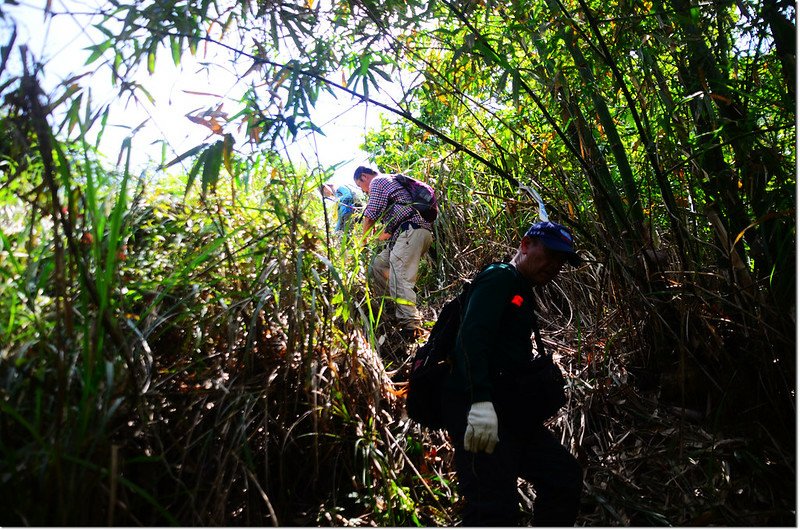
73 113
227 153
191 152
98 50
209 162
365 67
151 60
175 48
210 119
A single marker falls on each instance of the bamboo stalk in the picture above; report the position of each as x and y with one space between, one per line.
112 486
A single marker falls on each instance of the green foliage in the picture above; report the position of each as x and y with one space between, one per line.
192 354
243 389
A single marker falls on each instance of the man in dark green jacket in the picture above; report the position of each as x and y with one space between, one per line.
495 336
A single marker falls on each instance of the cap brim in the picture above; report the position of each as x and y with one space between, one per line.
572 257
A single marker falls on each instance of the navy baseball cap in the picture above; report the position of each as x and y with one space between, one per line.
555 237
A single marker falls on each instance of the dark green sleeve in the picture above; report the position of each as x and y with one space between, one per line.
479 336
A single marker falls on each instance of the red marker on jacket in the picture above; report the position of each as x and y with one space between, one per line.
517 300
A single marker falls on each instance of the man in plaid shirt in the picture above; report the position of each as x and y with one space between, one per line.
394 270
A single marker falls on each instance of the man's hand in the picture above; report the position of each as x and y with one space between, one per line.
481 432
384 236
367 225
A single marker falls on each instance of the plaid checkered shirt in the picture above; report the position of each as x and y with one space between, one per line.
389 203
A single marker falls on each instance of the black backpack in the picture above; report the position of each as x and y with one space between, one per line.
528 398
432 363
423 197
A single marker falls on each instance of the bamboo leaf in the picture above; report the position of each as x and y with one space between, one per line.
501 83
195 169
69 92
227 153
73 113
115 68
146 93
103 122
97 51
212 166
104 30
193 42
191 152
383 74
151 61
175 46
113 241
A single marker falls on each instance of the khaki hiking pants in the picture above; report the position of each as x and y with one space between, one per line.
394 272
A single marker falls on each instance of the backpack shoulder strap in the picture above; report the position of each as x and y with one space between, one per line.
540 348
400 179
501 264
541 351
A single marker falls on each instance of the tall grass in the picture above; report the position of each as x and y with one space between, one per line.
215 359
248 389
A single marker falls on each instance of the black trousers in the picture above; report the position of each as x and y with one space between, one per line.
488 482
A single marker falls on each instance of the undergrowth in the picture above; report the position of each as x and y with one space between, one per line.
216 359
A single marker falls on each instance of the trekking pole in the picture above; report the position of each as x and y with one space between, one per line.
535 196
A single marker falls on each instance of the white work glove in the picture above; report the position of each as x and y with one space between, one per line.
481 432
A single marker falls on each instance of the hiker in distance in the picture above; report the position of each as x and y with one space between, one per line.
347 199
394 269
491 397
